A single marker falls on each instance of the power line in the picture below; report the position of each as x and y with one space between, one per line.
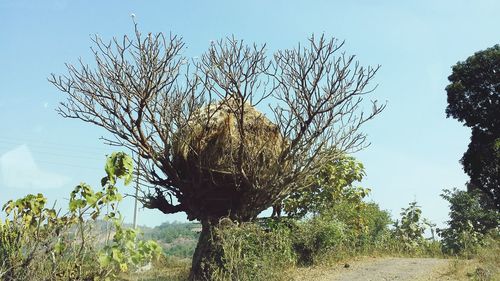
55 150
136 192
46 144
56 154
61 164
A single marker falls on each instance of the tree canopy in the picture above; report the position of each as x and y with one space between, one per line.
473 92
474 99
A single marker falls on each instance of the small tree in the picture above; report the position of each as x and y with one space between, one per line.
332 184
410 230
204 147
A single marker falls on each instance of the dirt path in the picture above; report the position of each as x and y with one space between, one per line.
383 269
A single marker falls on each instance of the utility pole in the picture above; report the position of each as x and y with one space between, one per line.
136 192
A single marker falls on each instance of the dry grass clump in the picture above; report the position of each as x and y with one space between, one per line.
166 268
219 132
484 266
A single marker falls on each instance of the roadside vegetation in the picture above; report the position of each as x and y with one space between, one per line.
39 243
87 243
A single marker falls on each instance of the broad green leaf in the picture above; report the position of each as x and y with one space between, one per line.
104 259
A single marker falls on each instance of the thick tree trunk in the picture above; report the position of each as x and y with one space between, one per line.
207 256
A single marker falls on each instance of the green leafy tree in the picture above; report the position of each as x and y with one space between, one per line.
468 223
204 148
334 183
474 99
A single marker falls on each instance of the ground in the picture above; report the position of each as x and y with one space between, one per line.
375 269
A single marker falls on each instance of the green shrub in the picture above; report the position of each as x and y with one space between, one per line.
262 251
314 238
488 257
252 253
349 228
29 234
468 223
36 243
126 252
366 225
484 264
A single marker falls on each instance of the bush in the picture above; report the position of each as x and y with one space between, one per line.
488 258
347 229
333 183
252 253
484 264
262 251
314 238
33 242
366 225
468 223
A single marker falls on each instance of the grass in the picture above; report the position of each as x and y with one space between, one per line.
484 266
166 268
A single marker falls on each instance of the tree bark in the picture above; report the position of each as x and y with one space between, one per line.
208 254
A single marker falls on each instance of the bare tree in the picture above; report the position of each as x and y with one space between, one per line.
204 147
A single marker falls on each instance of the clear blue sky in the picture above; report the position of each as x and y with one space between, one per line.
415 149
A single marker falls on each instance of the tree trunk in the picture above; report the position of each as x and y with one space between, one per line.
207 256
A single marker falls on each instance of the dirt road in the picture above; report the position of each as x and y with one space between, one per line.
382 269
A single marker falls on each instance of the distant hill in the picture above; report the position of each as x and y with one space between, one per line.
177 239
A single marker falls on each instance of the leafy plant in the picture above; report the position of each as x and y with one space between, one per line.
32 232
332 184
410 230
126 251
27 228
